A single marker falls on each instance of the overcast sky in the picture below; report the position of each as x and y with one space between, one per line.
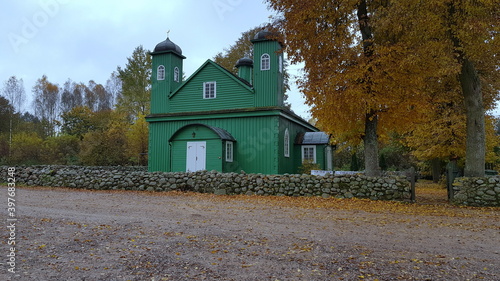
87 40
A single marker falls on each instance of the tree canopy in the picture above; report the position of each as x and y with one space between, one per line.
373 67
136 83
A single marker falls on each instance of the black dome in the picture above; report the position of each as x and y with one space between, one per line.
244 62
167 45
264 34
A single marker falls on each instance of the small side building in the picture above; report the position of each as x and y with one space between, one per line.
216 120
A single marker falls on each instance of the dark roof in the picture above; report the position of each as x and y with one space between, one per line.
244 62
167 46
264 34
223 134
312 138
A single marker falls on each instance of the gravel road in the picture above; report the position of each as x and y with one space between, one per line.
64 234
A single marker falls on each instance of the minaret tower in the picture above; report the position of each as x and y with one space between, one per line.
167 74
267 69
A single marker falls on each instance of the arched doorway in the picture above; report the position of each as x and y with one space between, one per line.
198 146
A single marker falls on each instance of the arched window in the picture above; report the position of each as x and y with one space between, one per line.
160 73
286 144
176 74
265 62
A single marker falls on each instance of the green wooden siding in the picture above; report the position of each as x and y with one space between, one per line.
320 156
292 163
178 161
268 83
161 89
255 148
229 93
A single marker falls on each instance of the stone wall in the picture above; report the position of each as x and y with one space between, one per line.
137 178
477 191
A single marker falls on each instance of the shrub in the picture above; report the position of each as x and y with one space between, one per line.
307 166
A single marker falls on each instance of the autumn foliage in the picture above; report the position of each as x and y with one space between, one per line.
77 123
376 67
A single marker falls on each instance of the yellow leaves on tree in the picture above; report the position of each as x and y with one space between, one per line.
106 145
356 73
110 139
386 66
137 141
26 146
441 135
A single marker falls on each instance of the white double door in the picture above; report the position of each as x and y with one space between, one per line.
196 156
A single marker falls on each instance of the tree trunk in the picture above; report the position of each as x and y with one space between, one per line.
436 170
475 154
372 168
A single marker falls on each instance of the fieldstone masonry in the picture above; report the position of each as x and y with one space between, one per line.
137 178
477 191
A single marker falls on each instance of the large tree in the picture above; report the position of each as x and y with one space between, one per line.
46 103
13 90
368 64
472 28
352 70
136 83
463 36
6 110
67 101
114 88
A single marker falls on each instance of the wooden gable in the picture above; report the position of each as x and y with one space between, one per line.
231 92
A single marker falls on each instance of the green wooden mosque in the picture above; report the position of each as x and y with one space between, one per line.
216 120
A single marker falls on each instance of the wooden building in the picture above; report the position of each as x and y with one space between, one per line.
216 120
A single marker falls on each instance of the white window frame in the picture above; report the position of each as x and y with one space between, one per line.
286 143
304 147
160 72
209 94
229 151
176 74
265 62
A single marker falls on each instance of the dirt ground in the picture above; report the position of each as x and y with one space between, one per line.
64 234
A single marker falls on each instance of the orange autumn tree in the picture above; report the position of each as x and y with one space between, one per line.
370 65
354 70
470 30
464 36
